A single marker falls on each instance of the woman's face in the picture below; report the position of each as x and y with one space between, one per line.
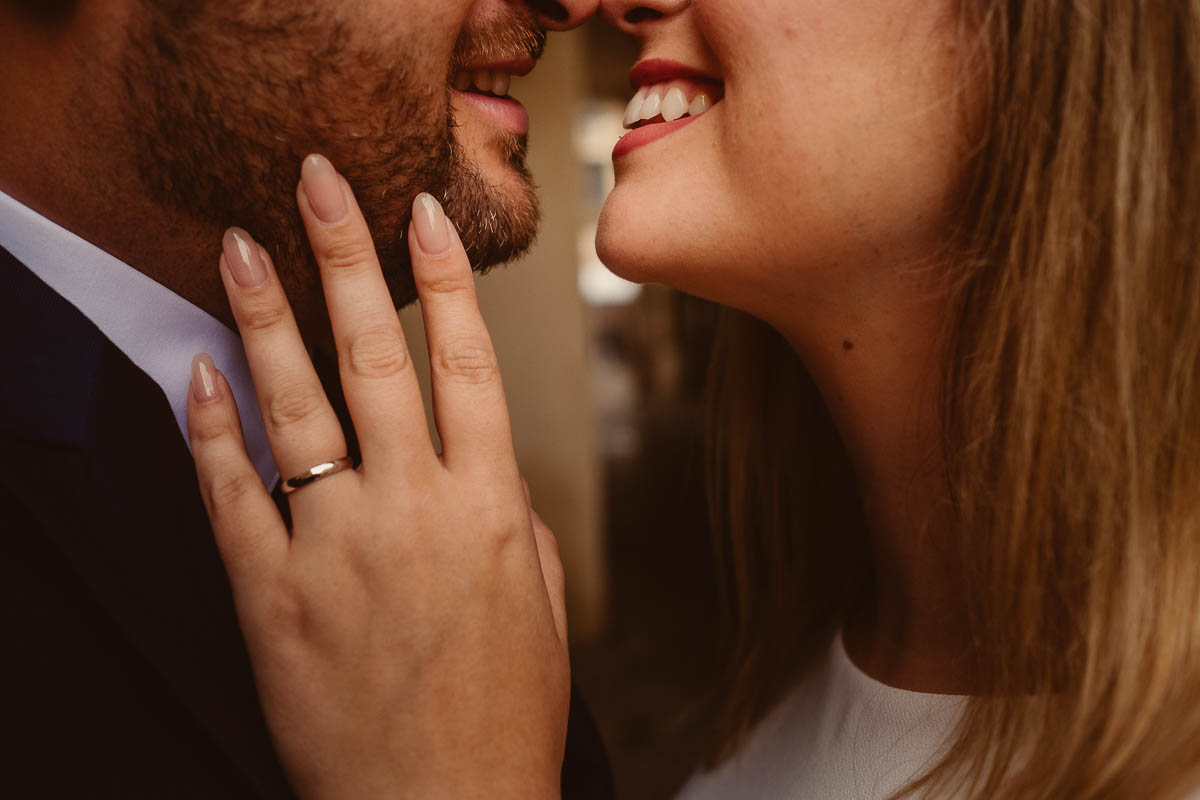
829 154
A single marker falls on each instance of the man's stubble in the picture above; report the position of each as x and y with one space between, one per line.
220 113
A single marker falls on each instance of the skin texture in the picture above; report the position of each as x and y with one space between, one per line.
814 196
408 634
149 127
245 86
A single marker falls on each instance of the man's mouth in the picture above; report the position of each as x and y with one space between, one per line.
669 96
484 81
484 87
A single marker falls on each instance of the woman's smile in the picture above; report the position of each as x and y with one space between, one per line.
943 266
670 95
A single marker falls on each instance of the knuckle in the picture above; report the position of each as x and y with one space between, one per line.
287 611
263 316
346 253
365 551
469 363
208 431
228 490
377 352
506 534
449 287
506 523
292 403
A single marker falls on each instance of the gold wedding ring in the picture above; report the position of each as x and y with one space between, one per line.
315 474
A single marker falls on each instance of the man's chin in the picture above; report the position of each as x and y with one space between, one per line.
498 224
492 204
495 206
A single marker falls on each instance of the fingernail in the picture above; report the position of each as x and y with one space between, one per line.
430 222
323 189
242 253
204 379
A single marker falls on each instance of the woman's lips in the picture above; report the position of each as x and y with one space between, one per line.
504 110
669 96
661 70
640 137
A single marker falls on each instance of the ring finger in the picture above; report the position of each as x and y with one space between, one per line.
301 426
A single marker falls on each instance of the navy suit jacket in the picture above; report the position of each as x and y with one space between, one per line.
124 673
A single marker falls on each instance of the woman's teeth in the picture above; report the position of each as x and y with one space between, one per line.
674 104
669 102
484 80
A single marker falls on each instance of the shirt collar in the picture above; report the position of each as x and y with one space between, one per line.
155 328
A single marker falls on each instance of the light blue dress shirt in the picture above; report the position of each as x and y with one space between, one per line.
155 328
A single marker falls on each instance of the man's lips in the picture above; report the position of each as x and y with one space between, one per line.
503 110
483 86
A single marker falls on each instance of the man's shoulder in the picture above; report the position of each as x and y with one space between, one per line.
52 347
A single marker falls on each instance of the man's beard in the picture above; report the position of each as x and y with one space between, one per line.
222 111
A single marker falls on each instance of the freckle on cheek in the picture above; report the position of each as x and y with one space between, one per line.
847 344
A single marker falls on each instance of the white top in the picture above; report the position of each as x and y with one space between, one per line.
155 328
840 735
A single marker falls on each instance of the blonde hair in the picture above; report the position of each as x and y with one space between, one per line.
1071 422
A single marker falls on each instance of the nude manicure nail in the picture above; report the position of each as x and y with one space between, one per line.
429 220
324 190
242 255
204 379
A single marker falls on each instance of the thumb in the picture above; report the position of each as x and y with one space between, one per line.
552 568
552 572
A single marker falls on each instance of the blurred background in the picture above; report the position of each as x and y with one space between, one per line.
605 386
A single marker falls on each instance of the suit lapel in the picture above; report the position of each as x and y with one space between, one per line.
92 445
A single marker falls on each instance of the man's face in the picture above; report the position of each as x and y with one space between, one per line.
226 97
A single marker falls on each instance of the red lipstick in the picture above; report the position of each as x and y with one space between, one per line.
661 70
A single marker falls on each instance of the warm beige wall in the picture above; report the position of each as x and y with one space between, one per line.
536 318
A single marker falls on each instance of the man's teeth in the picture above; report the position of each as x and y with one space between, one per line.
484 80
669 103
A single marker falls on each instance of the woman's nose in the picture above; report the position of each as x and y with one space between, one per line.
561 15
629 16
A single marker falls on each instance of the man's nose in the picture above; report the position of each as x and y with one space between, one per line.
631 16
561 15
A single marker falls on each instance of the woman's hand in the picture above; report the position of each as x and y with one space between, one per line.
409 636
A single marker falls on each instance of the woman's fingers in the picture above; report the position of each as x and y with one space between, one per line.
249 532
431 575
552 572
468 398
301 426
377 375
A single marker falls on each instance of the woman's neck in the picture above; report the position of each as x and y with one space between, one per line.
881 380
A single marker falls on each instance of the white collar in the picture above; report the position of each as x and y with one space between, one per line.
155 328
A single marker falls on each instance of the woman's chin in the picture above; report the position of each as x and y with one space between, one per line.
635 240
639 243
619 246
